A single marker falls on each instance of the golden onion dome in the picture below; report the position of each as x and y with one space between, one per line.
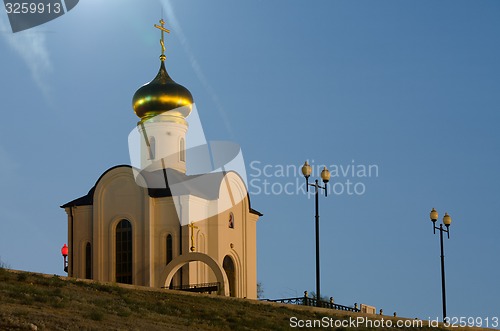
162 96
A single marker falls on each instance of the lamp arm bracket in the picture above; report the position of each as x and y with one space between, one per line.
441 229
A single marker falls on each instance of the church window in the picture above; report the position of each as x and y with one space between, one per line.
182 148
124 252
169 248
88 261
152 148
231 221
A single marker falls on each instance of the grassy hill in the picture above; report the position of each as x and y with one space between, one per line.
30 301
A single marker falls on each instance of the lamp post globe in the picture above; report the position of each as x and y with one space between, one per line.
325 175
64 250
447 219
434 215
306 170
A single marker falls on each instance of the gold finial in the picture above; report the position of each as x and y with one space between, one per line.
192 226
162 40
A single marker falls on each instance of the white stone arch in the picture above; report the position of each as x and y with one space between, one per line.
113 174
232 191
181 260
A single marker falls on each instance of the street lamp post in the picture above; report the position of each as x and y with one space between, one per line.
325 176
447 222
64 253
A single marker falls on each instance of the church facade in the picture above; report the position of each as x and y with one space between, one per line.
152 224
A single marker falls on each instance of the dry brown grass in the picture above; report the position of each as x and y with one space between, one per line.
30 301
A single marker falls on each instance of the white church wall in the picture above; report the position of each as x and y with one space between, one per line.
80 232
164 222
118 197
237 242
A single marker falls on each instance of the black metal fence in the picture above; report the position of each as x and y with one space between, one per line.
203 287
306 301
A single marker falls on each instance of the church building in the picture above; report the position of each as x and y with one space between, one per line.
152 223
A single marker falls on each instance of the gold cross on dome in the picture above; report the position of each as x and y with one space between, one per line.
162 40
192 226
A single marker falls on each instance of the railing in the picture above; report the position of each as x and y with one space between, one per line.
289 301
203 287
306 301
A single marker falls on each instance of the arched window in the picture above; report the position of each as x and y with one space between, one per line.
152 148
169 249
124 252
231 221
182 148
88 261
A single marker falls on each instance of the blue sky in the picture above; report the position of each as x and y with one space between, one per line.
411 87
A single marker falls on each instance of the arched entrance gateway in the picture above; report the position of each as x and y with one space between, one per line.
181 260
